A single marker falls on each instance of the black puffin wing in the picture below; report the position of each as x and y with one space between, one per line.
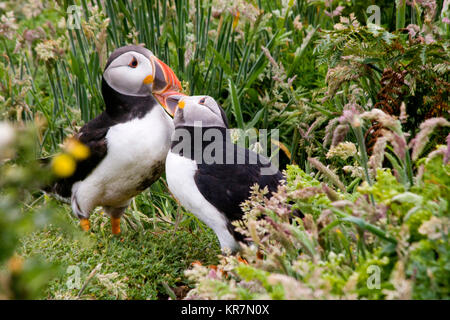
92 135
226 186
95 140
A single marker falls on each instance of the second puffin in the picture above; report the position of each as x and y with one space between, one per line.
210 175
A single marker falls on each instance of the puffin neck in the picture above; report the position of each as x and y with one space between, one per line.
119 106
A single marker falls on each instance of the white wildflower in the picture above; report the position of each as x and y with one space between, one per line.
339 26
297 23
435 228
235 135
48 49
8 25
343 150
356 172
32 8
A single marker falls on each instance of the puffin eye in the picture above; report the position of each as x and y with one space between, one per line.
133 63
202 100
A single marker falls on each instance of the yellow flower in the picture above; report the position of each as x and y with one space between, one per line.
77 149
63 165
236 20
15 264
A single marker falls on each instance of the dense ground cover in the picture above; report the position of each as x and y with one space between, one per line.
361 104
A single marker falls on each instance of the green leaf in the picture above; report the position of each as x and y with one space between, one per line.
255 119
235 104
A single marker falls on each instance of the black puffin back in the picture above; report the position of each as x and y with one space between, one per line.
224 185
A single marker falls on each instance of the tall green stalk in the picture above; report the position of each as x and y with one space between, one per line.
363 152
400 14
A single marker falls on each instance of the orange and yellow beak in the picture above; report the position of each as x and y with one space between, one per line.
181 104
164 85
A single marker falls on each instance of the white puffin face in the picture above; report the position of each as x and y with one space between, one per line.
193 109
131 74
135 71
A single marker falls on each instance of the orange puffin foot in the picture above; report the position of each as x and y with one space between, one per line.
115 225
85 225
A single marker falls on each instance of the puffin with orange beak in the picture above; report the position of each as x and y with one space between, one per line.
128 141
208 174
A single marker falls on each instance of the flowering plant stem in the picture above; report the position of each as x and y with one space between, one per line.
11 63
408 167
362 150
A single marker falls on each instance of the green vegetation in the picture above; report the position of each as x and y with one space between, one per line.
342 245
138 265
363 114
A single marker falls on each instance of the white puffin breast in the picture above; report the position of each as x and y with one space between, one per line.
135 149
180 173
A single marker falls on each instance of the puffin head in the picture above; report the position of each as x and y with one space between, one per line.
135 71
193 109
